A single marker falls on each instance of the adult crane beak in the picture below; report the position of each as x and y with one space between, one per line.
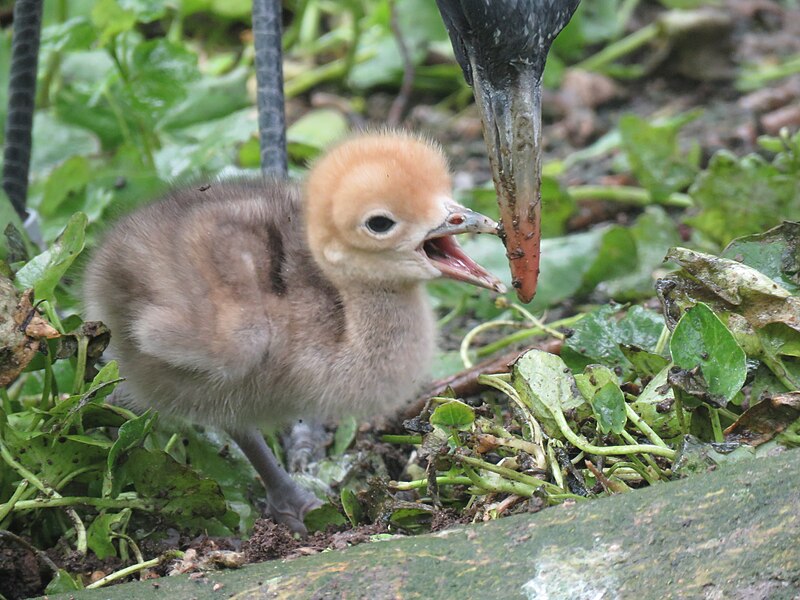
511 114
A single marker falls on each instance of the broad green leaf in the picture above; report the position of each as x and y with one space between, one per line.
43 272
775 253
609 408
180 491
345 434
63 582
98 534
321 518
352 507
160 73
453 415
109 373
701 339
743 196
67 179
315 131
146 11
594 340
640 328
111 19
656 158
131 434
599 385
546 385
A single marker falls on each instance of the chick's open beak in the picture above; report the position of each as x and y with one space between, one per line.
444 252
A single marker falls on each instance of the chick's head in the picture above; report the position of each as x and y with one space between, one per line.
379 212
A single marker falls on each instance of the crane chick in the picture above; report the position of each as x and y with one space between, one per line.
253 303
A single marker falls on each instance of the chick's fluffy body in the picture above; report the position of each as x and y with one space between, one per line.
221 315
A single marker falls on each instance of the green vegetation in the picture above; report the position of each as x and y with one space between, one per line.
135 95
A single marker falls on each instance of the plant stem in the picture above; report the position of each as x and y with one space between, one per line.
402 439
5 509
583 444
463 350
421 483
124 573
627 195
80 366
716 426
634 418
527 333
618 49
502 471
60 501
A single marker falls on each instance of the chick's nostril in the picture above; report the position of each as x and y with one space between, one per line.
456 219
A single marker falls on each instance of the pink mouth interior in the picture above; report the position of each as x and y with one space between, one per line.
451 260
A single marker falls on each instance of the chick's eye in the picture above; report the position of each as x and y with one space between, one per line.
379 224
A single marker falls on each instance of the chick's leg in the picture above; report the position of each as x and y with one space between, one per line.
288 502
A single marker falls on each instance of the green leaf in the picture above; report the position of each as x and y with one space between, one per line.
132 433
63 582
547 387
656 406
44 272
655 156
111 20
352 507
146 11
775 253
182 493
599 385
609 408
160 73
321 518
344 436
594 340
67 179
98 534
743 196
315 131
701 339
453 415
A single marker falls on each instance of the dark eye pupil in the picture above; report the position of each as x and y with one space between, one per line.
379 224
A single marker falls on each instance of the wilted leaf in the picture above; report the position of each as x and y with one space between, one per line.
656 406
763 421
701 340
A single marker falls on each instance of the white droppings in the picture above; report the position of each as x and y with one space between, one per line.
570 574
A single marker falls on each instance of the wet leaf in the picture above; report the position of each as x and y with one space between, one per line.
701 340
764 420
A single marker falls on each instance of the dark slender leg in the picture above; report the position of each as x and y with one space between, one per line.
288 502
305 445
